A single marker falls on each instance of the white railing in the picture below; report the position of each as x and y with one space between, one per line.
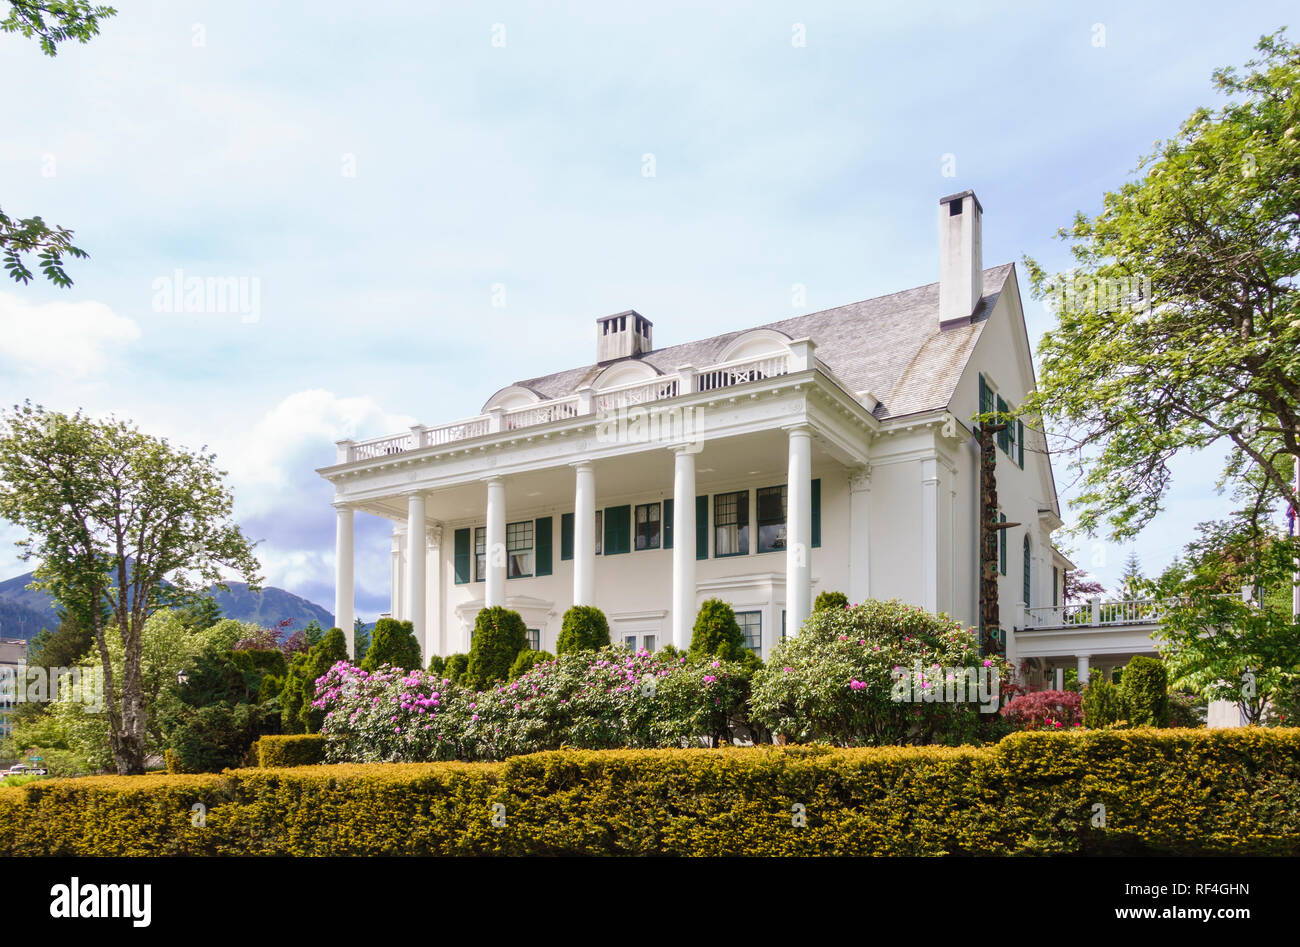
1096 613
1138 611
640 392
739 372
455 431
711 378
560 409
380 447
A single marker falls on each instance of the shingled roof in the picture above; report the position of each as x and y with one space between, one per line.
891 346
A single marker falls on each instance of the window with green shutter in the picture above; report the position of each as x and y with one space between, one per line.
668 524
816 513
702 527
986 396
1028 584
618 530
462 556
1002 545
1004 436
1020 443
566 536
545 549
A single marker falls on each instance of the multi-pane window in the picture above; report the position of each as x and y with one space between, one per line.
771 519
480 553
647 526
519 549
751 626
731 524
533 638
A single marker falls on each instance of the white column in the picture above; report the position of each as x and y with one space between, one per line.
397 591
435 637
930 534
496 543
683 548
1083 668
584 534
343 590
415 560
859 535
798 553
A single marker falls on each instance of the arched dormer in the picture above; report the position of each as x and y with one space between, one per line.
625 373
755 344
511 397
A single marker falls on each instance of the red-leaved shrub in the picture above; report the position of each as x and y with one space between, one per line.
1045 710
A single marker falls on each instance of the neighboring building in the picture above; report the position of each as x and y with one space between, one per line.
831 451
13 658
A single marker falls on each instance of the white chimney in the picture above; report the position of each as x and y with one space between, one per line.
961 260
624 334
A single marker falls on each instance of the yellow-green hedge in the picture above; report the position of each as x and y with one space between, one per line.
1193 791
298 749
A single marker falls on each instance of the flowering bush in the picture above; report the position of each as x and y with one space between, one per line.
878 673
588 699
1046 710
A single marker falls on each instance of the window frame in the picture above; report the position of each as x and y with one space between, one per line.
783 522
658 522
741 524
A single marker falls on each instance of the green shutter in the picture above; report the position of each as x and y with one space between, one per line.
1004 436
618 530
566 536
668 524
462 557
702 527
1027 582
816 513
545 548
1020 442
986 400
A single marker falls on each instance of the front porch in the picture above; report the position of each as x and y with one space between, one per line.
739 491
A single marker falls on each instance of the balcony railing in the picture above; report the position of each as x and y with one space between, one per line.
1096 613
685 381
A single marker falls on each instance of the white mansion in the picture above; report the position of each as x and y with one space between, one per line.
831 451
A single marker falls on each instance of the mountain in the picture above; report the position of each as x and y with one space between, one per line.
269 606
24 612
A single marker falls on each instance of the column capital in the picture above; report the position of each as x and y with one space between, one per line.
798 427
343 506
582 464
493 478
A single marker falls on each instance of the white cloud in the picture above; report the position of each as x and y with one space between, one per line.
64 338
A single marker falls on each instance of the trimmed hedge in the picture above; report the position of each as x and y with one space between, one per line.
1164 792
282 750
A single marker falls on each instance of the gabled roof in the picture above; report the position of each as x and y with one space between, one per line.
891 346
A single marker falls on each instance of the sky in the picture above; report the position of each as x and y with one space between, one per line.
421 203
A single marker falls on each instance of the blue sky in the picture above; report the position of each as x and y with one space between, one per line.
380 168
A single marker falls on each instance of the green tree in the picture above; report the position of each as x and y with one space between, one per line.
1179 328
830 599
117 517
297 715
499 636
1144 691
1217 643
50 22
392 642
717 634
583 628
361 639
